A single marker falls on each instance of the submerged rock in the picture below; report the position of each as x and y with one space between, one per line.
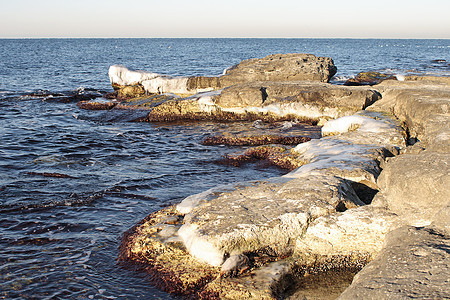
254 140
369 78
80 94
278 156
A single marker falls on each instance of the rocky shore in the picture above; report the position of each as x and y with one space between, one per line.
369 197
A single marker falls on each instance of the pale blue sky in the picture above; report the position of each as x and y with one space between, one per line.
226 18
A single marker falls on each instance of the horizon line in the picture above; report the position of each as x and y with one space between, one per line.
194 37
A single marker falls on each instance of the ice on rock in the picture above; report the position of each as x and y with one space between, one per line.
353 145
121 75
190 202
355 122
337 154
166 84
199 247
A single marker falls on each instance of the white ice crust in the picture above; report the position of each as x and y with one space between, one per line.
121 75
153 83
190 202
334 152
199 247
355 122
331 153
161 85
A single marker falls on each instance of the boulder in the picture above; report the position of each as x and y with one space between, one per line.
271 101
414 264
416 186
261 215
281 67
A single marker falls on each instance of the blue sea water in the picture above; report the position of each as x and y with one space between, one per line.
59 236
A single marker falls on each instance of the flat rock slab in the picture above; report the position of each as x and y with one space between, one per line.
308 102
414 264
267 214
360 231
302 99
423 106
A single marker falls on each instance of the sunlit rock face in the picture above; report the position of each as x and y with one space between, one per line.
281 67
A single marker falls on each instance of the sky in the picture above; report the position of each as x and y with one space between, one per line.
225 18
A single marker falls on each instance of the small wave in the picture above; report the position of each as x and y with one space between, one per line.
340 79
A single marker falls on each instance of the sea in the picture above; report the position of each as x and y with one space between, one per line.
71 182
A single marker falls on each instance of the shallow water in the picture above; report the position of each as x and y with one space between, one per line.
59 235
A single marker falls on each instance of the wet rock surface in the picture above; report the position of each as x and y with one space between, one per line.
354 196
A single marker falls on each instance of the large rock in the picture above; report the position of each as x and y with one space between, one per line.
416 186
264 215
309 102
313 100
277 67
281 67
414 264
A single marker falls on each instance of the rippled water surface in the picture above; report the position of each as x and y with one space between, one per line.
59 234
